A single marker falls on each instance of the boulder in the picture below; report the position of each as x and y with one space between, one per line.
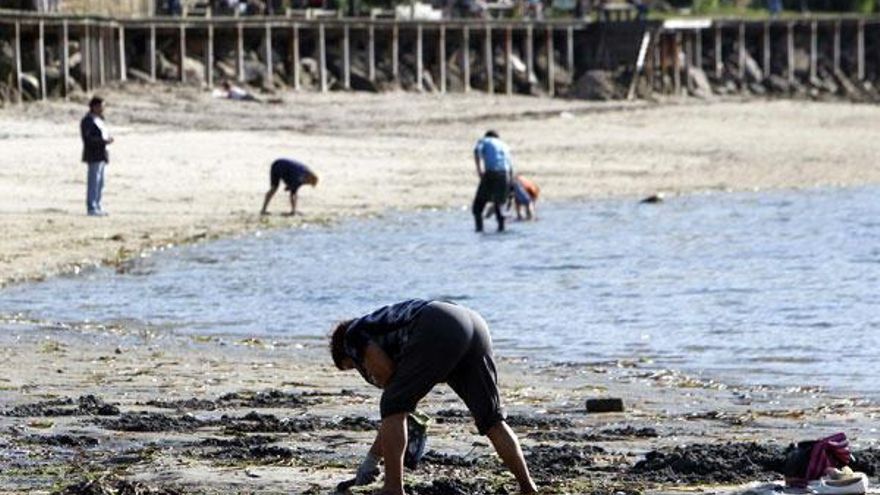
596 85
700 86
30 86
194 71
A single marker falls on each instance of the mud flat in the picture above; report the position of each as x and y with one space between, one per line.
94 409
186 167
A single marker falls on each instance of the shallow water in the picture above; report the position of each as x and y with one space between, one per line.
773 288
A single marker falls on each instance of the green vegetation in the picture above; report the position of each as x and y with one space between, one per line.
756 9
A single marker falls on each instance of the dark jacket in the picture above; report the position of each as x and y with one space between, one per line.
94 146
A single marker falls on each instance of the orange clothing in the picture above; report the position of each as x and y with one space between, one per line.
531 188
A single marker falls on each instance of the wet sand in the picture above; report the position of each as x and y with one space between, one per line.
233 415
186 167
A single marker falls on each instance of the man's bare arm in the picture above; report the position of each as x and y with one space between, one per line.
378 364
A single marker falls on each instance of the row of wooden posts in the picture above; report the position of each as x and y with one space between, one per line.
689 48
103 46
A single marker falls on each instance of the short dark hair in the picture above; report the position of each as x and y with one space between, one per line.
95 101
337 343
492 133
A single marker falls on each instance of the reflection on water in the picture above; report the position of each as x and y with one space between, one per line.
771 288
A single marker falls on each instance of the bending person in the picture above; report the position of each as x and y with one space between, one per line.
408 348
294 174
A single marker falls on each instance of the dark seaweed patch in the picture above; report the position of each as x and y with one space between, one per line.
70 441
86 405
255 422
147 421
708 463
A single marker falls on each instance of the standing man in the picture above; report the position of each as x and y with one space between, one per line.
294 174
95 137
495 174
406 349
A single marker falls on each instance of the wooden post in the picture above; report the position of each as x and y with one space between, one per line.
836 46
814 49
442 48
466 58
569 50
123 67
371 53
152 52
18 60
767 53
790 51
395 52
419 61
508 60
322 55
676 64
239 52
860 51
267 47
294 54
698 49
530 53
102 79
551 74
346 57
209 56
488 56
662 64
719 56
741 50
85 51
687 46
65 58
181 51
41 57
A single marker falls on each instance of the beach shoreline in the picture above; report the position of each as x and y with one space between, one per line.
187 168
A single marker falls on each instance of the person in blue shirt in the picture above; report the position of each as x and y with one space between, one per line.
294 174
406 349
492 159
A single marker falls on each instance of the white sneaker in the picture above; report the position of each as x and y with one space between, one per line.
857 484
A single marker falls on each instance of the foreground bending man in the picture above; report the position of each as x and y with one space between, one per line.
294 174
406 349
492 159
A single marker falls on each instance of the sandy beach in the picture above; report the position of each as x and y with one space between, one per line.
93 408
234 415
185 167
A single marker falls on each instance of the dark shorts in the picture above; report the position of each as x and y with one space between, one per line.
451 344
292 173
493 188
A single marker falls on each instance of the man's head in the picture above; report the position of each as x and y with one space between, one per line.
337 346
491 133
96 106
311 179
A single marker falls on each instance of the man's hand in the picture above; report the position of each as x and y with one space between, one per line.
110 140
365 477
361 479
